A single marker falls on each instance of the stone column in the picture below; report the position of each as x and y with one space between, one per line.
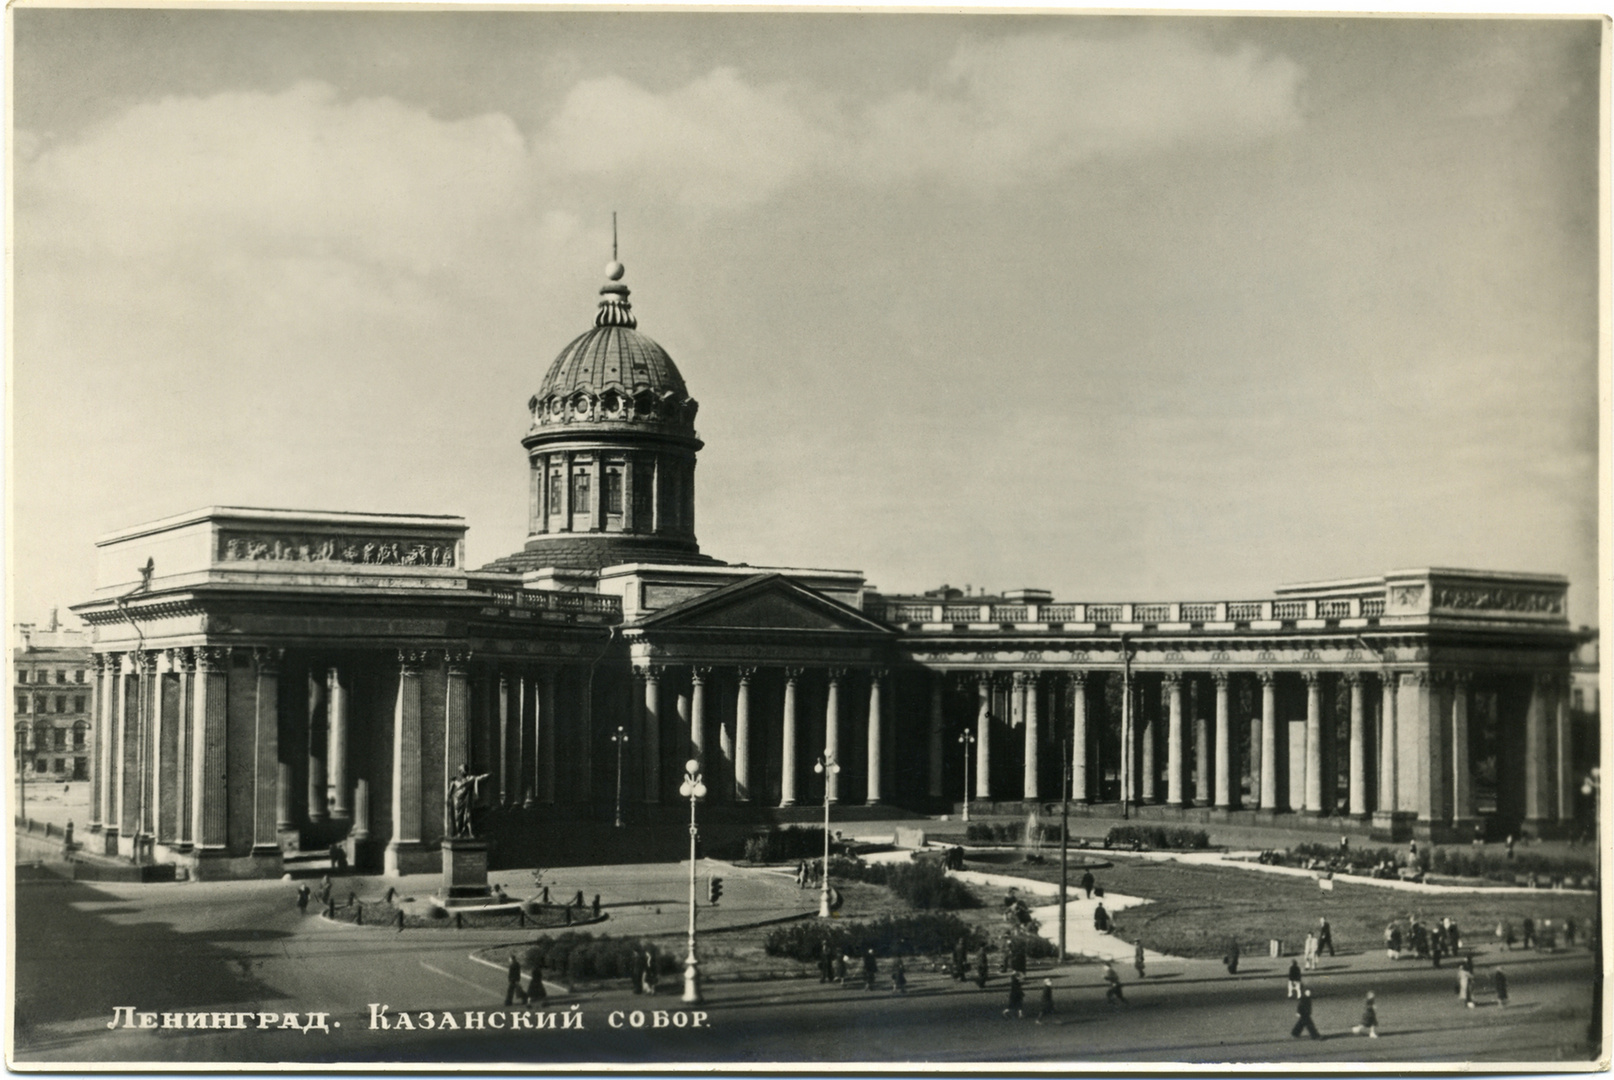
697 714
406 765
1314 743
547 720
983 739
832 730
876 738
1388 796
106 750
1150 769
97 739
1429 725
1358 763
505 786
652 732
1269 742
318 747
1224 744
337 735
210 807
937 734
456 725
1030 786
1174 762
1563 745
129 740
183 763
1078 738
168 788
742 734
723 777
1538 801
787 741
685 728
1202 750
1462 776
266 774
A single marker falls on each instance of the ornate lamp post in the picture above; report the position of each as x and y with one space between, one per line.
967 739
826 767
692 789
620 737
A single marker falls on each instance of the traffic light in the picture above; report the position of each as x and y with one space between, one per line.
714 890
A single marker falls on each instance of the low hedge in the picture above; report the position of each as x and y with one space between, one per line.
924 885
1159 836
889 935
581 955
1009 832
776 845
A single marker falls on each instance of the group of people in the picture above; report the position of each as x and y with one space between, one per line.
534 992
809 873
1423 941
836 966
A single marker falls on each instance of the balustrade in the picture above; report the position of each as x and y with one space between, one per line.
1151 612
1198 612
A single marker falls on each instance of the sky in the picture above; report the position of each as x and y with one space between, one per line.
1125 307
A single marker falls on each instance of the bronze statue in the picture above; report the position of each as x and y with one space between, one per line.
461 789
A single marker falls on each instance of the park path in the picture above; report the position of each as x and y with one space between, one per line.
1246 860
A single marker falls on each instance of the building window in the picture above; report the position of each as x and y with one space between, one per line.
22 736
81 732
581 504
59 765
40 764
22 703
59 739
613 491
78 676
22 674
61 703
78 704
61 676
39 703
554 492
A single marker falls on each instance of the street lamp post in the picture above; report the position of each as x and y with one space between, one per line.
826 767
1592 786
966 739
620 737
693 789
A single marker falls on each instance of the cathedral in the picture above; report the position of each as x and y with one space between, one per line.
269 683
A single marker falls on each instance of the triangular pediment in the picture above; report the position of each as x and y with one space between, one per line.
765 602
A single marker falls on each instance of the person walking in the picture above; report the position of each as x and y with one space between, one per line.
1113 977
826 966
1465 982
1303 1017
1046 1008
1510 845
870 969
841 962
961 961
1309 953
1370 1019
1232 958
513 987
1088 883
1101 919
536 994
1137 958
899 975
1499 983
650 973
1017 998
1294 980
982 968
1529 926
302 899
1325 936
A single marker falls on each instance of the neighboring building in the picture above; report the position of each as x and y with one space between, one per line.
54 698
274 680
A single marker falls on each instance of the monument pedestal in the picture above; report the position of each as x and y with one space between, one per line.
465 873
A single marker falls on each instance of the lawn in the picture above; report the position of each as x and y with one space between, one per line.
1197 910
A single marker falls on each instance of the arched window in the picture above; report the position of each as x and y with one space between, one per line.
81 734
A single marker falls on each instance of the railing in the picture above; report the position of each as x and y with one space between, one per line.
957 613
1289 609
1373 607
1105 612
905 613
1333 609
1009 613
1151 612
1062 613
1198 612
552 600
1246 610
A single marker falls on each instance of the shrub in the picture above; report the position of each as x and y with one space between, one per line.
581 955
889 935
1009 832
1159 836
925 884
779 845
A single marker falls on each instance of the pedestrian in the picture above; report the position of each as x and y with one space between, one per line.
826 966
961 961
1392 941
390 895
302 899
1017 957
1505 934
982 968
1088 883
1046 1008
1294 980
577 901
1101 919
1325 936
1303 1017
1479 835
650 973
1370 1019
899 975
1499 982
325 889
536 994
596 905
1437 946
1232 958
1137 957
841 962
1529 925
870 969
1569 931
1017 997
513 987
1113 977
1510 845
1309 952
1465 982
1412 853
1454 939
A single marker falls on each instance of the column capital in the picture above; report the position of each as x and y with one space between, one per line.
745 675
1077 679
794 674
1266 676
837 675
458 660
145 661
1462 678
1220 679
1311 676
1390 677
268 659
210 658
1020 679
182 660
410 661
98 662
700 674
1423 677
1351 678
647 671
1170 679
877 674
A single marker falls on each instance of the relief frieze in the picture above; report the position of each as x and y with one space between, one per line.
1495 598
376 551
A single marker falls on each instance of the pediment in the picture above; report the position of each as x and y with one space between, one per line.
766 603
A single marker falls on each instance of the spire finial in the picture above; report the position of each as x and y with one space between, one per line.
614 270
613 236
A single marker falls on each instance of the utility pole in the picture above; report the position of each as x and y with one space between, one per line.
1064 844
1126 729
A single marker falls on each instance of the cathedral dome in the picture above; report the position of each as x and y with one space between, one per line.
613 375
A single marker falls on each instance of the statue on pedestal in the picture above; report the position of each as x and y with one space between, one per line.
461 790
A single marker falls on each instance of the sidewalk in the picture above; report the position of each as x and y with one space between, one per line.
1080 937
